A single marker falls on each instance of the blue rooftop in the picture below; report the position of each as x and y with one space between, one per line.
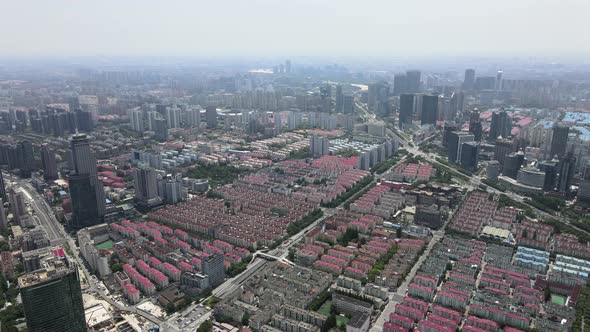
577 117
584 133
547 124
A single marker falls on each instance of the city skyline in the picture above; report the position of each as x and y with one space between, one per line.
302 165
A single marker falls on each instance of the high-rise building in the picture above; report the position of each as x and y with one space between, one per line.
193 118
294 119
485 83
319 146
2 188
52 297
211 117
499 80
406 109
17 205
469 81
146 186
136 120
501 126
512 164
470 155
565 169
400 85
475 126
212 266
25 158
278 122
456 105
84 121
82 155
160 129
173 117
288 66
584 188
73 103
3 219
429 110
455 145
448 128
559 138
339 99
348 103
378 98
86 190
170 188
84 201
503 147
49 163
550 168
372 96
413 81
152 116
97 259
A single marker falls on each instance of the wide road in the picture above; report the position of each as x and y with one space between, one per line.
397 296
44 214
55 229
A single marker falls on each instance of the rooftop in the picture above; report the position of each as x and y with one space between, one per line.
51 268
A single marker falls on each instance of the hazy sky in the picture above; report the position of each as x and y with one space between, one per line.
295 27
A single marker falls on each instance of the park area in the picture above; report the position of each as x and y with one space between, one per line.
325 310
558 299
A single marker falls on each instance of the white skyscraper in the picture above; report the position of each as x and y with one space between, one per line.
319 146
192 118
152 117
173 117
278 122
136 120
294 120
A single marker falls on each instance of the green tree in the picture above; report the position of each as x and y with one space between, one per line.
170 308
116 267
245 319
349 235
3 284
291 255
206 326
547 294
330 323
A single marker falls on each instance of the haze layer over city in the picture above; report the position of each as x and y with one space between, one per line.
294 166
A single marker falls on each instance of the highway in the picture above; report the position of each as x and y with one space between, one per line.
44 215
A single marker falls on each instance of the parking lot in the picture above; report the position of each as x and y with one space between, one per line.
188 320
